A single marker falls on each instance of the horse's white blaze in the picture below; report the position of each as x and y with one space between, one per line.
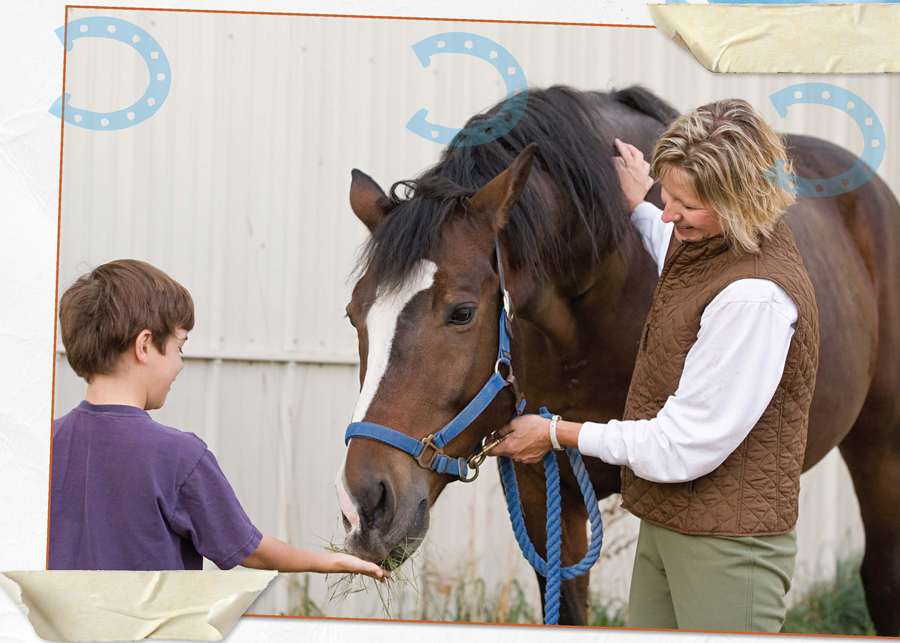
346 504
381 323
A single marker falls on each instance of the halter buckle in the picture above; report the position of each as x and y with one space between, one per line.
429 449
507 305
514 385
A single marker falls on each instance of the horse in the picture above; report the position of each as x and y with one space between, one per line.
427 299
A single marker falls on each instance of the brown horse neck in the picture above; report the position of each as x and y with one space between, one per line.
571 310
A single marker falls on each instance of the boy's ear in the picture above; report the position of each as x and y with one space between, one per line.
142 346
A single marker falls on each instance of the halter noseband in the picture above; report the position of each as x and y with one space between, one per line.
429 453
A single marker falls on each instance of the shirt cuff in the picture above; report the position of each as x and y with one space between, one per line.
645 210
590 439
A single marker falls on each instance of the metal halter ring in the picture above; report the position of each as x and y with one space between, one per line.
472 479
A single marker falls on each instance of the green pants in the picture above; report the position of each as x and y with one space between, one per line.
710 582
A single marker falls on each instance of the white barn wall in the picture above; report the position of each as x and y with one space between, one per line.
238 187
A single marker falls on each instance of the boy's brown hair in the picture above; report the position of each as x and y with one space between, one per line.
103 312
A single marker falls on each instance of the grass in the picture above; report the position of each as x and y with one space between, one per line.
831 607
307 606
606 614
837 606
469 602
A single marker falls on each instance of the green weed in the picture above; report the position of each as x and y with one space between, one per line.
833 607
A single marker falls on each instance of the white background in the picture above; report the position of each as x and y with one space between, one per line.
29 198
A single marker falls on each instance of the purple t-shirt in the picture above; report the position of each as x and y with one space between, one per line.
130 493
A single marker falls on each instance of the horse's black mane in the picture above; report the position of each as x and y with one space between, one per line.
572 148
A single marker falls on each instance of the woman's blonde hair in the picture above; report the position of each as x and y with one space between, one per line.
722 151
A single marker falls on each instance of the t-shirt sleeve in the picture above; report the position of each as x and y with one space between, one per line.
208 512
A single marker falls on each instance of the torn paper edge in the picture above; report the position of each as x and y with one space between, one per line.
774 38
211 603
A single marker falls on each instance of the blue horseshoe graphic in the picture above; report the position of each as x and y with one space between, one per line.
139 40
869 125
458 42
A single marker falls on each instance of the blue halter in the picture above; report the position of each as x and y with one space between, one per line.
429 453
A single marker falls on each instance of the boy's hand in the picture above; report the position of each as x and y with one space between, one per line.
353 565
276 554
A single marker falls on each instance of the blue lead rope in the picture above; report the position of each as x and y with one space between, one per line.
552 568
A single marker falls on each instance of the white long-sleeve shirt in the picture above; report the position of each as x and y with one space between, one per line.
730 375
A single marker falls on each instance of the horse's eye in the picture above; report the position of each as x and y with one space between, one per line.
462 315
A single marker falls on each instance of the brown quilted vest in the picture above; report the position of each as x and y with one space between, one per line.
755 491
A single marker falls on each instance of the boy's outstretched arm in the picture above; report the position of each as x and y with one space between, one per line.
277 554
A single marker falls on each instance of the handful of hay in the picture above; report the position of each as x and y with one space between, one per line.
390 593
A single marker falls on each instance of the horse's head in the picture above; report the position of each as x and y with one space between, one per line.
428 342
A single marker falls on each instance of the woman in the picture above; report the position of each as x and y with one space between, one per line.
714 430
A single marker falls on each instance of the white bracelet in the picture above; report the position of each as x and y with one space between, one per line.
553 439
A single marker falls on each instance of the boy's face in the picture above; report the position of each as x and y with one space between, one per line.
164 369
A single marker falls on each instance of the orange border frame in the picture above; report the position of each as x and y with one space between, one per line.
62 122
56 303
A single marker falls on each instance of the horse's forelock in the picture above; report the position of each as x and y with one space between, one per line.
412 230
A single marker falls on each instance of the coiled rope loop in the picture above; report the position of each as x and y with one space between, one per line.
552 568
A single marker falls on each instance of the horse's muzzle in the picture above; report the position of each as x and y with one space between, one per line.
389 530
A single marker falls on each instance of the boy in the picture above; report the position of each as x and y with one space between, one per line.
127 492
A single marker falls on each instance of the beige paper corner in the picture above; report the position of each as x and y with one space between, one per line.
786 38
130 606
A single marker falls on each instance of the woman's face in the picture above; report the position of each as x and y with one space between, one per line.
692 221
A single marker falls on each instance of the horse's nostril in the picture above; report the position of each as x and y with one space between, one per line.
380 508
376 510
347 525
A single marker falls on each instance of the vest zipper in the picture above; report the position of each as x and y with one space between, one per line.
659 284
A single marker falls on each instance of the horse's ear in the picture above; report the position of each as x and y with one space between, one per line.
367 200
499 195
